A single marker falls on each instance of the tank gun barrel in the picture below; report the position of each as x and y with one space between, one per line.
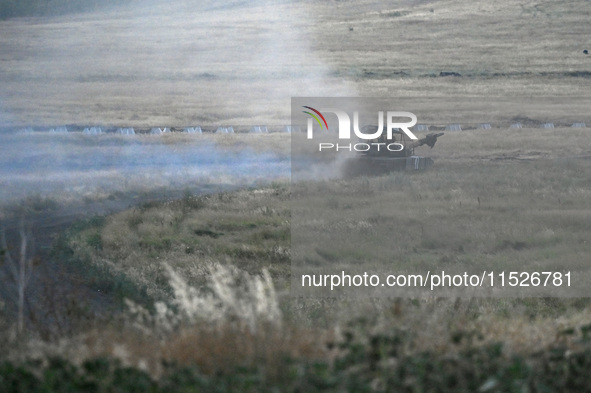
429 140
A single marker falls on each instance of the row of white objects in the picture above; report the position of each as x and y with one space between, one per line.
261 129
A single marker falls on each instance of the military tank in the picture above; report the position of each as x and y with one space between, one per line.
386 155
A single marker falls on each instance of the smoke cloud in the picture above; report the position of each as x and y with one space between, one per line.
158 63
72 168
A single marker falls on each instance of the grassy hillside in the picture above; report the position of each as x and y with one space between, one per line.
248 229
202 63
214 271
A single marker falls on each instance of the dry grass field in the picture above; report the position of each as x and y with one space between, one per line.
484 203
192 292
495 200
211 63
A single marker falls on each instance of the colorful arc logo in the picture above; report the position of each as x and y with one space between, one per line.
316 117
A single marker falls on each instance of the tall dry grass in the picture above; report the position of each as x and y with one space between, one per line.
232 321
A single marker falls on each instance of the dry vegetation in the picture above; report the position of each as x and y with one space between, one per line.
499 200
219 321
494 197
199 62
249 229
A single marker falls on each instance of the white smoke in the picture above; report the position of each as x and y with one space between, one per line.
76 167
181 63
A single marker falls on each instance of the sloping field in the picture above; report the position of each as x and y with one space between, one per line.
206 63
